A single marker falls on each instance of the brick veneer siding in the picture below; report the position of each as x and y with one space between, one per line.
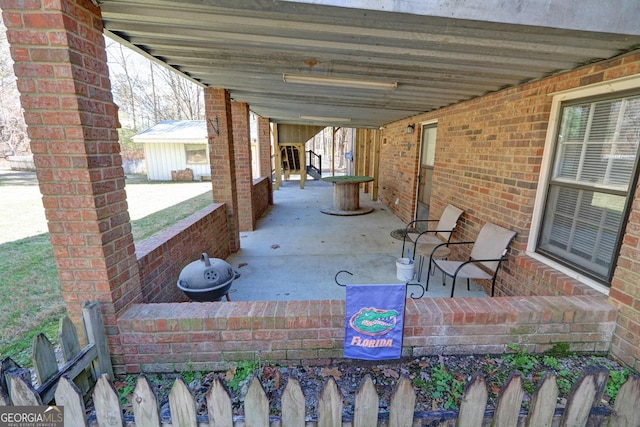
625 292
165 254
262 196
211 336
488 161
264 147
242 155
217 104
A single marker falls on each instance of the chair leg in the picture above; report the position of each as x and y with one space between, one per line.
453 285
429 273
434 271
468 284
420 267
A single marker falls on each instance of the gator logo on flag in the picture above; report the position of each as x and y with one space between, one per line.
374 321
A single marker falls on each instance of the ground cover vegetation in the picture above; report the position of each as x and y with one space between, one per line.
31 296
438 381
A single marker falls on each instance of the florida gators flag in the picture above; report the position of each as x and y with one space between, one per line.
374 321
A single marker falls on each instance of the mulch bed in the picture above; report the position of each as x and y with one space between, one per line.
438 380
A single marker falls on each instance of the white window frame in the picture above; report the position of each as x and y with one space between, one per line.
609 87
196 147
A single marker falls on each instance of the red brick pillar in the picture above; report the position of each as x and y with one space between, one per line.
244 178
61 67
217 104
264 146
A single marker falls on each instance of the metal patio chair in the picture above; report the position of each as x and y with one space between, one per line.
487 254
424 242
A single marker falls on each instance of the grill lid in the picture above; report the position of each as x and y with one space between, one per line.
206 273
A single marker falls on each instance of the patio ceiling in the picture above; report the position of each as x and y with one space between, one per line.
435 53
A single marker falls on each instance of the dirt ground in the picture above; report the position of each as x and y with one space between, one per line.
22 213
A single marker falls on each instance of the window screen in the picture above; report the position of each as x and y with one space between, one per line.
593 174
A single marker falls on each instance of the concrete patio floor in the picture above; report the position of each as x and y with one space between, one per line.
296 250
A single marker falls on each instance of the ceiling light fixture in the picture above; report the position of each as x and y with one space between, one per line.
326 119
338 82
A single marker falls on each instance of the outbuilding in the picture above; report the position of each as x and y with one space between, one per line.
175 146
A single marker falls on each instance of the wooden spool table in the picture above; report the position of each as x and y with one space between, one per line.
346 195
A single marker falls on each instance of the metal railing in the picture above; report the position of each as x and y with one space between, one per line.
314 163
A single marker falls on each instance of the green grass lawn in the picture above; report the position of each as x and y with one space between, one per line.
31 297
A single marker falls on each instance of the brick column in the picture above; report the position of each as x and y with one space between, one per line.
264 146
244 178
217 104
62 75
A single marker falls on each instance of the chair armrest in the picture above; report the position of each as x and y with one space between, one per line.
445 244
419 220
433 231
477 261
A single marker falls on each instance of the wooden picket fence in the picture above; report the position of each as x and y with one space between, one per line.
67 386
81 365
579 410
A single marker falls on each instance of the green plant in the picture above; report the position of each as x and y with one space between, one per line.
559 349
565 380
521 359
420 383
241 372
550 362
445 388
189 375
616 379
125 388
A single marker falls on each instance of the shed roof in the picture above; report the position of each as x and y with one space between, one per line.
175 131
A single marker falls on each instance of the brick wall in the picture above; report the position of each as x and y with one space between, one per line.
162 256
398 165
242 154
211 336
262 196
264 146
217 104
165 254
625 292
487 162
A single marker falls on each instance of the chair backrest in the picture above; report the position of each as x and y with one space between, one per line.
448 221
491 243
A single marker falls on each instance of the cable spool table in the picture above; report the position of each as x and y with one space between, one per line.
346 195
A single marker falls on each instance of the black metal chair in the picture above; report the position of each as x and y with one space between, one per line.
487 254
425 241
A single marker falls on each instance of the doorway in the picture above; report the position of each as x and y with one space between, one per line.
425 176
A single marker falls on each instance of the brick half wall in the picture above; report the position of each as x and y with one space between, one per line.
212 336
262 196
162 256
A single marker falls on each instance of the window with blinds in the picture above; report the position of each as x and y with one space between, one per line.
594 172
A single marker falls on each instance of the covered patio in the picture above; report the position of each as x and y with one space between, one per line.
296 250
490 79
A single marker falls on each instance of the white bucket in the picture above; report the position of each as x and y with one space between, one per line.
404 269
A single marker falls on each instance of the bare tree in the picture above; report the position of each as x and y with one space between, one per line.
148 97
125 83
13 130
